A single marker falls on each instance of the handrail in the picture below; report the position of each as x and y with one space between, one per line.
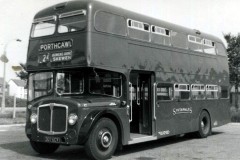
138 92
130 120
154 101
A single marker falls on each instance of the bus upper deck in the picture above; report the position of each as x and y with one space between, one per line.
89 33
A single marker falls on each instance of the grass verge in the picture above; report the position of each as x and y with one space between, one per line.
6 117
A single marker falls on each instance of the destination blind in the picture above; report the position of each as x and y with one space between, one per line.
56 45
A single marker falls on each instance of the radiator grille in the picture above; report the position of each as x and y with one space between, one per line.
52 118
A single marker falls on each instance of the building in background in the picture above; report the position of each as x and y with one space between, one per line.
1 87
17 87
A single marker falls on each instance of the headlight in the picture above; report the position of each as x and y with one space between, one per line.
33 118
72 119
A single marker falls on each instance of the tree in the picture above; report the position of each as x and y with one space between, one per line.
22 74
233 50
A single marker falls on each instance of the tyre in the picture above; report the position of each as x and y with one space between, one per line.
205 128
44 148
103 140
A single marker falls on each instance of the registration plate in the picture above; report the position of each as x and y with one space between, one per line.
52 139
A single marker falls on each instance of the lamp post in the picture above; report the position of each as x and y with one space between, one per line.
4 59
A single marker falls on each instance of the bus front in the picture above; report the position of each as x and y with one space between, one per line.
63 89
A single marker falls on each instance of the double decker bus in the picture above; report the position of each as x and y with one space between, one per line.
104 77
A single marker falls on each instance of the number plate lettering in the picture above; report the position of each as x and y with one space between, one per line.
52 139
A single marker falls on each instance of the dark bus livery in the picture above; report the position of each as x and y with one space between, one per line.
105 77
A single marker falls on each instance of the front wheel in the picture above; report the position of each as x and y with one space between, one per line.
205 128
44 148
103 139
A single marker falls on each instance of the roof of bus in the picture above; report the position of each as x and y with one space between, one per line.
96 5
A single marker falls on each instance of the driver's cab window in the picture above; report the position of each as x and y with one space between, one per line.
105 83
69 83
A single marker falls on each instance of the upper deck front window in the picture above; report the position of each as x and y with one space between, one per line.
43 26
72 21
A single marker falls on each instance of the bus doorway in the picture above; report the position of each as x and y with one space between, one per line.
141 100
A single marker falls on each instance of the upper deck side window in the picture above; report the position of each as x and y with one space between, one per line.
138 30
209 46
208 43
72 21
160 31
160 35
194 39
43 26
110 23
138 25
195 43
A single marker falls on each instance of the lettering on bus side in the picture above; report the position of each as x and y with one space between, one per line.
56 45
182 110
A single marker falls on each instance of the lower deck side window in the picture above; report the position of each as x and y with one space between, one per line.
223 90
211 91
168 91
181 91
164 91
198 91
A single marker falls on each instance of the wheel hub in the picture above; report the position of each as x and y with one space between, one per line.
106 139
202 125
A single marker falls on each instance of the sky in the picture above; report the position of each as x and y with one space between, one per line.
210 16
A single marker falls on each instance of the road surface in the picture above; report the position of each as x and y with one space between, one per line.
224 144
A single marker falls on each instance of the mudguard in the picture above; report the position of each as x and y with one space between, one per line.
91 119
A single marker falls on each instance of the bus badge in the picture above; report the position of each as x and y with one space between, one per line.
182 110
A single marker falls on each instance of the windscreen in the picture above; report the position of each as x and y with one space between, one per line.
69 82
40 84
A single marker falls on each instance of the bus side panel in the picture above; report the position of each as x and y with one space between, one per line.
218 110
108 50
221 114
165 124
200 105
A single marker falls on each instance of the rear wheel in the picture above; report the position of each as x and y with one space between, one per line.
44 148
103 139
205 128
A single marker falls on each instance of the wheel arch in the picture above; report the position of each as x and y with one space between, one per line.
91 119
